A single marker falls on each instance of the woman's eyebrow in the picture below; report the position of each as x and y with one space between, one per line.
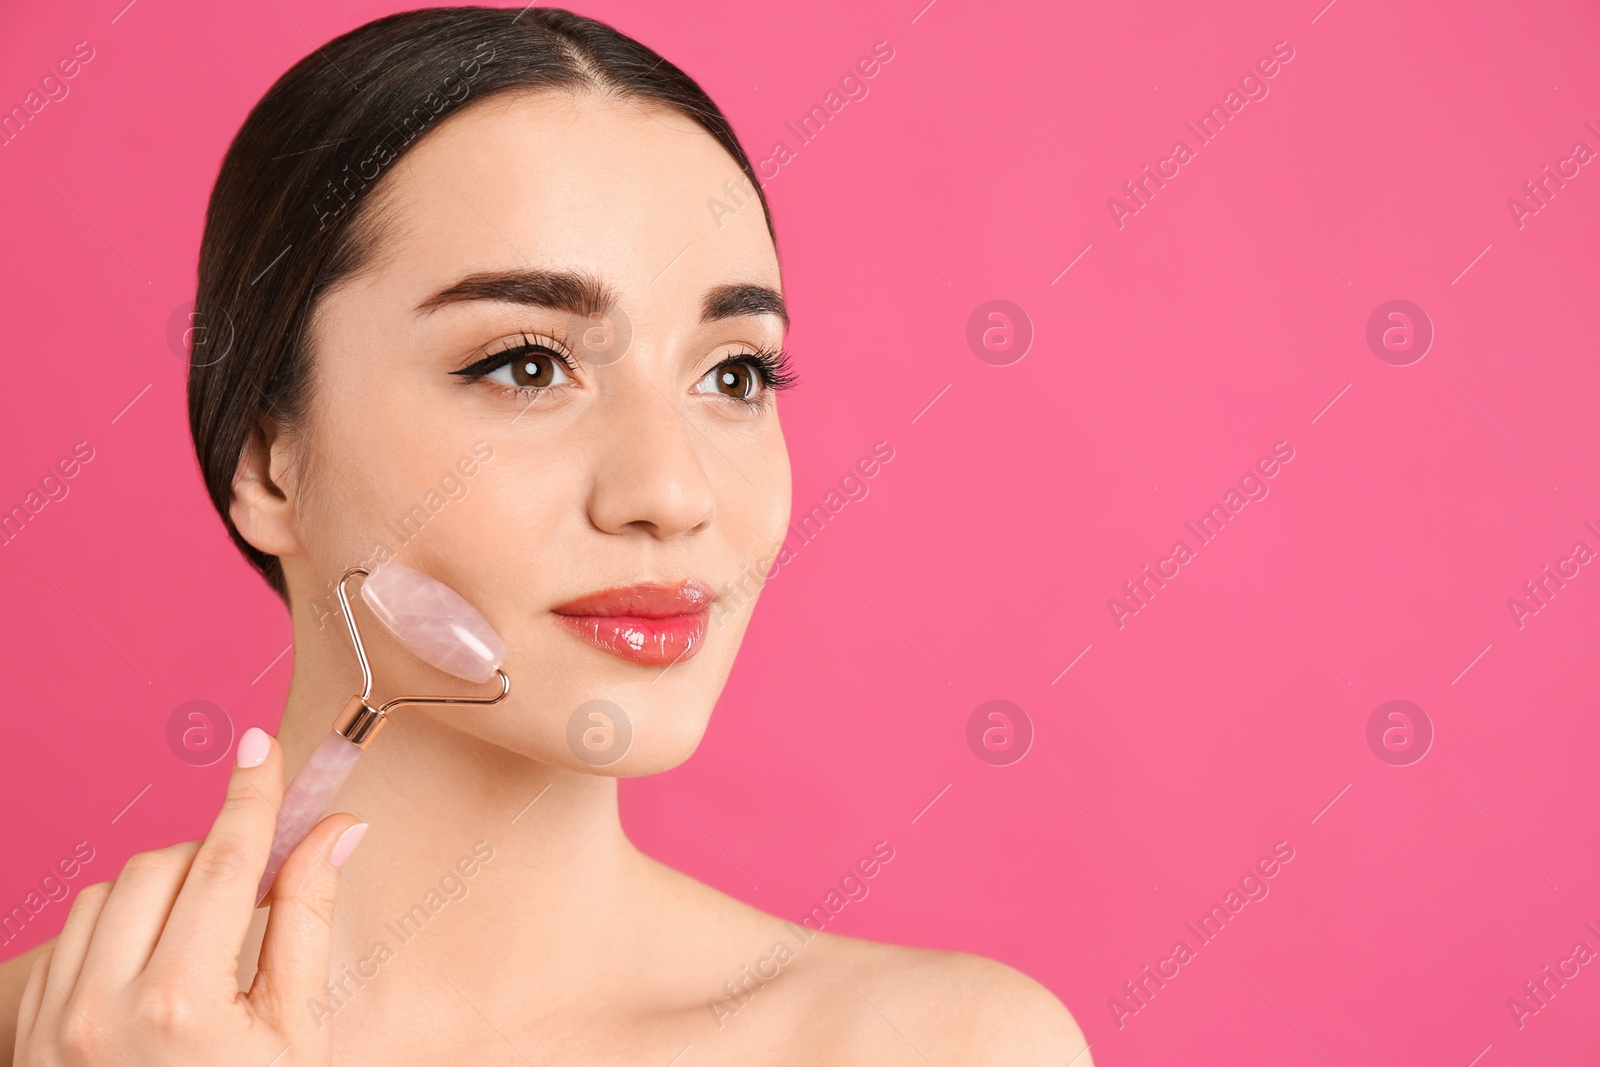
730 301
560 290
580 294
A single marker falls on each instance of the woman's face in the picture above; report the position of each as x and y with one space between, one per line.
525 229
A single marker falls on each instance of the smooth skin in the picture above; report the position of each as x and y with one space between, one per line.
567 945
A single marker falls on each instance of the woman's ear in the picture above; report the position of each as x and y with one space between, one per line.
262 506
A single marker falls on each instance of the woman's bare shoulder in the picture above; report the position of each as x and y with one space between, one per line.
920 1005
820 997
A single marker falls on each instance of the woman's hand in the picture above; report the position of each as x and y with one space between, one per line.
144 972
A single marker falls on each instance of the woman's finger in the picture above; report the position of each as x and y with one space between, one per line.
296 948
32 998
211 915
133 916
66 959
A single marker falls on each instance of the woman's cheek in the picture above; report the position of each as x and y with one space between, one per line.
778 491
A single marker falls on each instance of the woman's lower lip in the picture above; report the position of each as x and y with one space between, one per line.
651 642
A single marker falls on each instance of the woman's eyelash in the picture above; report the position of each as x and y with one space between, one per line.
526 346
773 364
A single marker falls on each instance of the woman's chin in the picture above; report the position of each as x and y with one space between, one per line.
603 737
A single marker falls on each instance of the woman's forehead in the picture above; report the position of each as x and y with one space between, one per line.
623 190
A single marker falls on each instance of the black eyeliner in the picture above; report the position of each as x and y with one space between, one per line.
495 360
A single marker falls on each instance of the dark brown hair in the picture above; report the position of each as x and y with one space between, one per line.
286 220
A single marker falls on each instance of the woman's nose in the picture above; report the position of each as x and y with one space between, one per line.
649 475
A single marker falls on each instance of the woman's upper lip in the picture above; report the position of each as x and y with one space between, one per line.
643 600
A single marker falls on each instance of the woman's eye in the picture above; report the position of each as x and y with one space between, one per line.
531 370
739 380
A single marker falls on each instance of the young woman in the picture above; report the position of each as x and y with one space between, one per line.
469 248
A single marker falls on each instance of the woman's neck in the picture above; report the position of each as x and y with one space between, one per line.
508 877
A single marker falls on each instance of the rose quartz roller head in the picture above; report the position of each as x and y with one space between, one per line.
438 625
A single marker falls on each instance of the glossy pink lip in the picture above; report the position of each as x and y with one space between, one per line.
650 623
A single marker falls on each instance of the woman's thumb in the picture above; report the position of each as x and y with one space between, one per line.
297 946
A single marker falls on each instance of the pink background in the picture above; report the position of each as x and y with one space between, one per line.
1225 316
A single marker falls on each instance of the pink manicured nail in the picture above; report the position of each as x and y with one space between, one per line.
347 844
253 747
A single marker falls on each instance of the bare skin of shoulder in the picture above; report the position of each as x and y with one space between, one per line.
733 985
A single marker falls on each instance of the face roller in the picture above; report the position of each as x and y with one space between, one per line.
438 625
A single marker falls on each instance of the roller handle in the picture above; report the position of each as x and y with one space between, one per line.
305 799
